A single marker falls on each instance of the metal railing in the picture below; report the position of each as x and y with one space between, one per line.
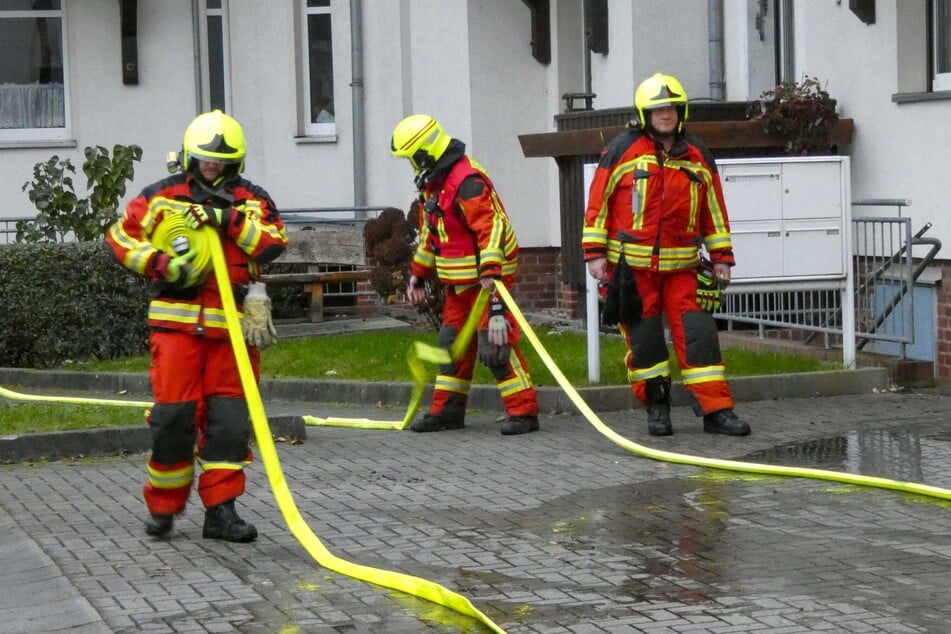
296 219
884 273
8 228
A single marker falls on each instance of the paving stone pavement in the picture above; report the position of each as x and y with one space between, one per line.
559 531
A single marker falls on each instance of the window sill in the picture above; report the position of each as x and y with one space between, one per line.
318 138
918 97
13 144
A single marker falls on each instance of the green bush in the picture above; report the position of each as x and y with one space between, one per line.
60 212
72 301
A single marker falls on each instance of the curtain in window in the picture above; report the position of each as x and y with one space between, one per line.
32 106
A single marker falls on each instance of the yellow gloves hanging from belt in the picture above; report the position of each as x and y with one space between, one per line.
257 326
708 288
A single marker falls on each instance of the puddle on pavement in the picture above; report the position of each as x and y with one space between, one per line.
897 455
683 539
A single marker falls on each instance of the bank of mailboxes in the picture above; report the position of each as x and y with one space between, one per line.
788 216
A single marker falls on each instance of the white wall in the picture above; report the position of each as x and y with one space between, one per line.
469 63
897 149
105 112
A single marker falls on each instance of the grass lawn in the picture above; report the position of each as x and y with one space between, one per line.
381 356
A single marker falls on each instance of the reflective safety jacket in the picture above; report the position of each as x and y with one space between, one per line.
464 232
255 235
657 210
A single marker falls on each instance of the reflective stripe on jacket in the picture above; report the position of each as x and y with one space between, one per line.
464 230
658 212
255 235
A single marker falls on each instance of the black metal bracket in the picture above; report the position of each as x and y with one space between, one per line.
128 21
864 9
541 29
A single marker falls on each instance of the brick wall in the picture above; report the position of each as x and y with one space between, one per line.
538 286
943 326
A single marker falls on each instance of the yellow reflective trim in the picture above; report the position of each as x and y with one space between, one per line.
170 311
704 374
465 261
718 241
642 374
425 258
207 465
174 479
448 383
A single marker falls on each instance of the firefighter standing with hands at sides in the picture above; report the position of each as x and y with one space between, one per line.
465 239
654 201
198 397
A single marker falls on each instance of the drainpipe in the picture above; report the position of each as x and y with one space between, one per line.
196 47
357 94
715 49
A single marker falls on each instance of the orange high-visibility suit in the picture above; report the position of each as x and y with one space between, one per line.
199 400
657 210
465 234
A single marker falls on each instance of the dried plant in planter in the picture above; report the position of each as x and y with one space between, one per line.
391 242
802 115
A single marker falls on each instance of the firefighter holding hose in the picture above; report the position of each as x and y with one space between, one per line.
199 412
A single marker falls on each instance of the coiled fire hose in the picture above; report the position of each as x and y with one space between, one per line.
416 356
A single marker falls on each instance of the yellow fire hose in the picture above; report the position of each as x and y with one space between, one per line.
713 463
262 433
415 356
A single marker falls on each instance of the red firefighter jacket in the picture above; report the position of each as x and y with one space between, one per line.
255 235
657 211
464 230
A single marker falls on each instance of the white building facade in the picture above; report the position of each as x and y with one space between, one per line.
77 73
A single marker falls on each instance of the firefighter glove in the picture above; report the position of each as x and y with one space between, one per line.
257 326
177 270
200 215
491 355
498 324
708 290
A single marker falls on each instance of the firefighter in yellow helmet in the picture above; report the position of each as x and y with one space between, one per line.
655 198
467 242
199 400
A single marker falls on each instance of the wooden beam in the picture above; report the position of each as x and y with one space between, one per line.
716 135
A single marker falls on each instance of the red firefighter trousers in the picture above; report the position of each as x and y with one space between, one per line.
199 411
513 380
694 336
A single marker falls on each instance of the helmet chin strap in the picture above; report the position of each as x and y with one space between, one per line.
216 189
422 178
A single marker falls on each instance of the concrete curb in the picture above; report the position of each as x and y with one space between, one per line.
111 441
108 441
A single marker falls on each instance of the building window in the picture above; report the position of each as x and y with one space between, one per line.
32 70
941 44
318 69
771 60
215 57
218 54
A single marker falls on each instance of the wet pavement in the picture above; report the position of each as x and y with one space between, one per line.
559 531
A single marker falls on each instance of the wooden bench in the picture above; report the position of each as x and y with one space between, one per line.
322 246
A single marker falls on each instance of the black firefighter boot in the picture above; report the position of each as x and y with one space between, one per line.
515 425
222 522
159 524
451 416
726 422
658 407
